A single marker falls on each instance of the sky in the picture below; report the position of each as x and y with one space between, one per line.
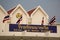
51 7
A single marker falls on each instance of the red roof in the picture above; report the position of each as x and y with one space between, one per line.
9 11
29 12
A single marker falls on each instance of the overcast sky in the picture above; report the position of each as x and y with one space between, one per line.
52 7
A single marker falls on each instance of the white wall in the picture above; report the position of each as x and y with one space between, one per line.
58 29
24 16
37 17
2 15
6 32
4 27
54 34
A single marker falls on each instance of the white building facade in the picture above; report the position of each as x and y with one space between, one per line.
33 18
37 15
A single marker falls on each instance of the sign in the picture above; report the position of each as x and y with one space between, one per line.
32 28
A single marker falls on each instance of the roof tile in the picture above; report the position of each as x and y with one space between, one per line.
30 12
9 11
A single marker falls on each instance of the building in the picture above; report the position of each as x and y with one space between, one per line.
37 14
18 15
18 12
33 16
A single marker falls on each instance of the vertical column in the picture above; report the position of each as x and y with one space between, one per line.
2 27
6 27
29 20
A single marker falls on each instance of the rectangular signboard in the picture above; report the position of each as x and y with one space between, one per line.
32 28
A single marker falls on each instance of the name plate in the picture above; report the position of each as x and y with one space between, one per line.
32 28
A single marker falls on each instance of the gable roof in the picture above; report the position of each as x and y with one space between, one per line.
18 6
3 10
31 12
